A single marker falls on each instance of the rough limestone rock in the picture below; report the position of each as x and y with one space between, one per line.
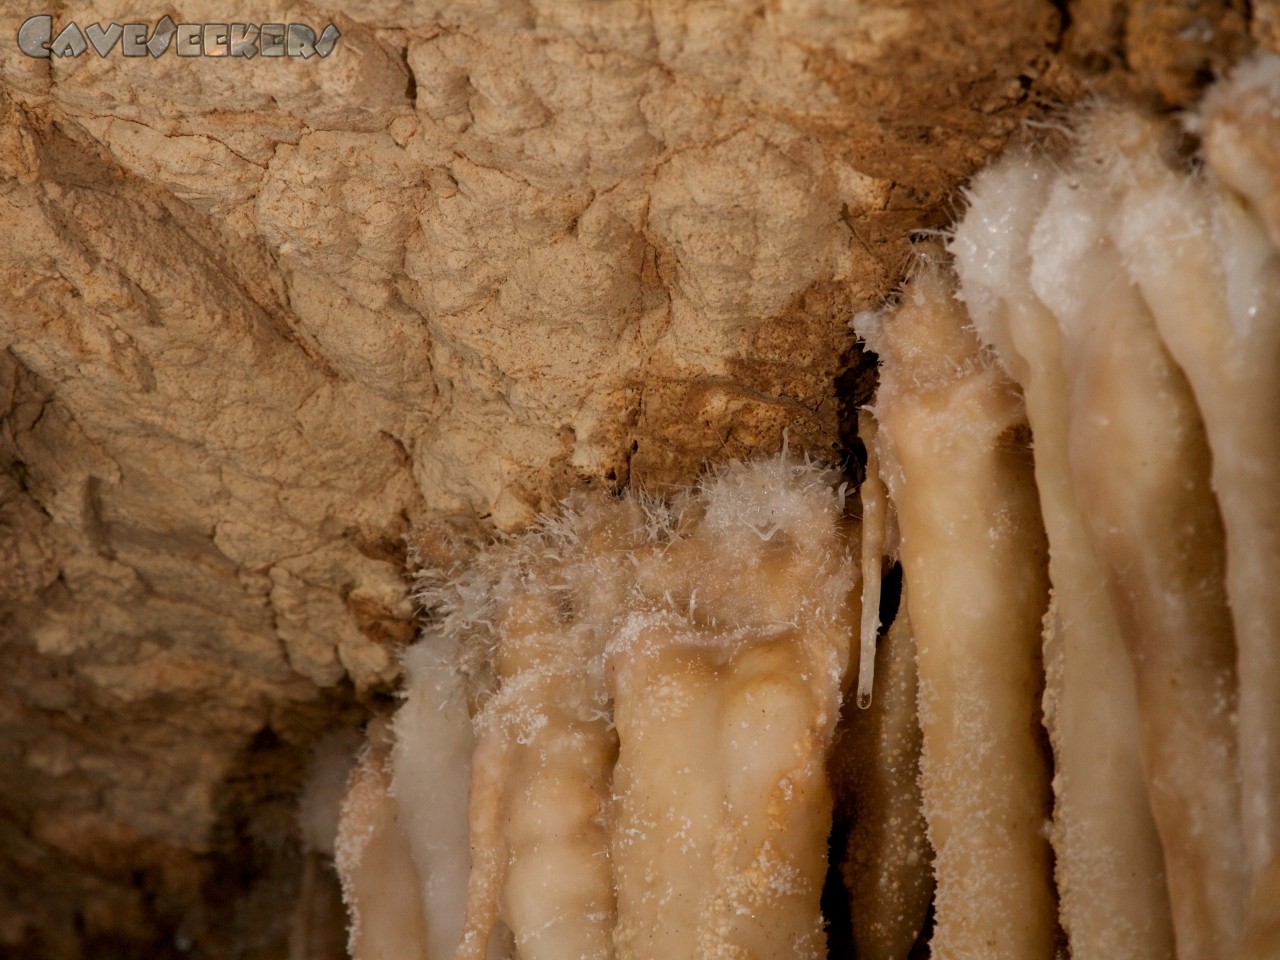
261 319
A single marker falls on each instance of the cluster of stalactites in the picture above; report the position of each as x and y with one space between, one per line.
620 733
1134 299
616 734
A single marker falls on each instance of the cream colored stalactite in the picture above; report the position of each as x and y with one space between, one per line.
888 864
727 684
1140 463
952 437
722 809
1262 931
557 895
1212 283
431 761
380 882
667 789
540 786
1241 129
874 497
490 766
1109 865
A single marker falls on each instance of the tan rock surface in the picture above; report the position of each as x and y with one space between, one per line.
258 319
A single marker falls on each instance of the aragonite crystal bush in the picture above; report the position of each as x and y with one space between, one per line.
626 733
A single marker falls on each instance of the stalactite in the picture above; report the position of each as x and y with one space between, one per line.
619 730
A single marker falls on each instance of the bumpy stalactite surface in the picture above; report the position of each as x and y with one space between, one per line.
1133 295
1101 813
657 688
259 320
953 440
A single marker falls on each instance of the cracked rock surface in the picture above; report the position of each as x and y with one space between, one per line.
261 319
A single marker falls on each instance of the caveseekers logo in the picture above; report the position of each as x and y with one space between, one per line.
36 39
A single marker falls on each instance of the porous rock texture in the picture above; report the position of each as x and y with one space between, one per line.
259 320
